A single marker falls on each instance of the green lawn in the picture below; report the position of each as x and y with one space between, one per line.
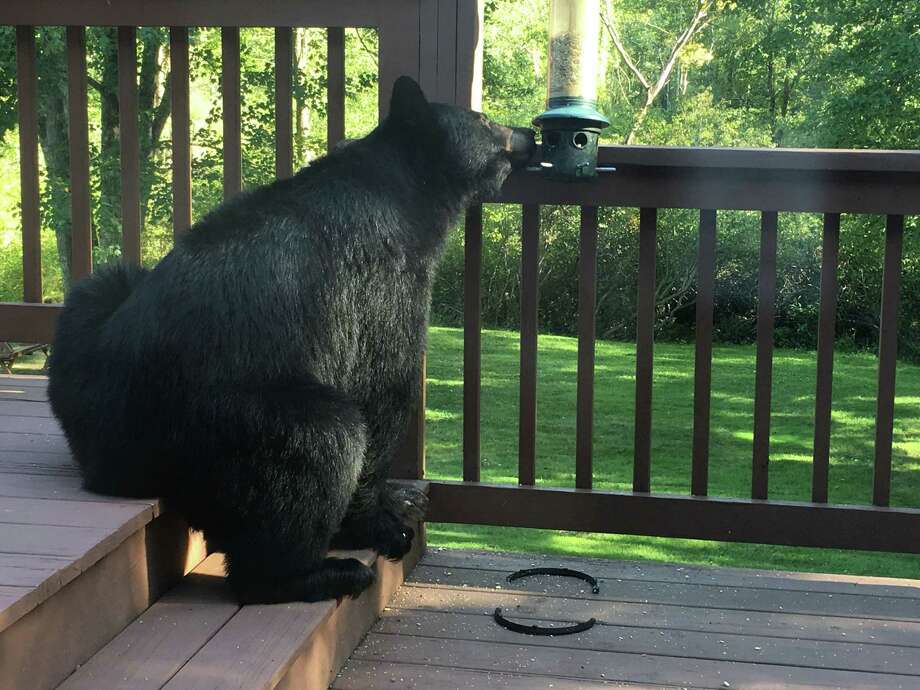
731 441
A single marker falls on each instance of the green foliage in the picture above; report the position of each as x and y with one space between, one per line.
759 73
7 79
762 73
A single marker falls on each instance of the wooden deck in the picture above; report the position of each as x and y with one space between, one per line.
657 626
50 529
92 591
76 569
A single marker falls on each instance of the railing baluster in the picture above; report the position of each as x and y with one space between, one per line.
825 374
702 373
527 428
409 462
887 360
448 26
284 126
645 337
472 344
81 225
763 386
587 297
335 85
181 136
230 91
129 146
27 100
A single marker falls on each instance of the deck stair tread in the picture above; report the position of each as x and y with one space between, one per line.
75 567
197 637
51 529
150 650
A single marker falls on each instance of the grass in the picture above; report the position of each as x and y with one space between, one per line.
731 442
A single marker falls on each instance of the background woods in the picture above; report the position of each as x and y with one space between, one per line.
809 73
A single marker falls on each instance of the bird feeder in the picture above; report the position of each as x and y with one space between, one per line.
571 124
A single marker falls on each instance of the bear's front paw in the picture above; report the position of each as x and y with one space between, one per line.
409 503
396 543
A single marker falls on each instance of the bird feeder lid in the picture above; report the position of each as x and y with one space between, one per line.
578 111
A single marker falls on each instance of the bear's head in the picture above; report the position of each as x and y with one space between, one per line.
471 152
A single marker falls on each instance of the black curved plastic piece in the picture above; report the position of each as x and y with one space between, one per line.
545 630
542 630
563 572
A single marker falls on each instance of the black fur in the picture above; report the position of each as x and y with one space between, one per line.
260 377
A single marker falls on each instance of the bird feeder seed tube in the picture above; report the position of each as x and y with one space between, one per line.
571 124
574 30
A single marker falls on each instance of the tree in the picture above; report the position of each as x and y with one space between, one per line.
703 14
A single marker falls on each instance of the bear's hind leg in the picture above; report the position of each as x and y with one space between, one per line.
289 497
330 578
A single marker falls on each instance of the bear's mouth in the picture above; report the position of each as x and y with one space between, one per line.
498 172
519 143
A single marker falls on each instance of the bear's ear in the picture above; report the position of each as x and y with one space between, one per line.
408 104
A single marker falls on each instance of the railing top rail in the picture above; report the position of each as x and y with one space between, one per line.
819 160
197 12
783 180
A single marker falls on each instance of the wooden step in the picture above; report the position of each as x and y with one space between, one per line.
75 567
197 638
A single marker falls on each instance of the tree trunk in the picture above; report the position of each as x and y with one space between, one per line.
152 113
301 109
771 71
108 216
652 90
640 117
53 139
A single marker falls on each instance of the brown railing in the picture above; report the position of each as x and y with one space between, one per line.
397 24
438 42
768 181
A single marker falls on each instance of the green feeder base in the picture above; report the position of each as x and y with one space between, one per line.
570 128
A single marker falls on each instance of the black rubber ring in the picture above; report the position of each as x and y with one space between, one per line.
545 630
540 630
564 572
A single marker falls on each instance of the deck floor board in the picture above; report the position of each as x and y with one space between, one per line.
658 625
849 605
51 529
24 408
30 424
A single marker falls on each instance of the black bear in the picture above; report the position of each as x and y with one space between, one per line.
260 377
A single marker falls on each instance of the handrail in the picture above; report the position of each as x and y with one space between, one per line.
821 160
781 180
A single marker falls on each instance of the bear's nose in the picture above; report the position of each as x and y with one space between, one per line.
521 145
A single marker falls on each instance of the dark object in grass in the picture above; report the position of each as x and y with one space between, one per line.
260 378
544 630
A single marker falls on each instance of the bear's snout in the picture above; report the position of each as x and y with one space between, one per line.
520 144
